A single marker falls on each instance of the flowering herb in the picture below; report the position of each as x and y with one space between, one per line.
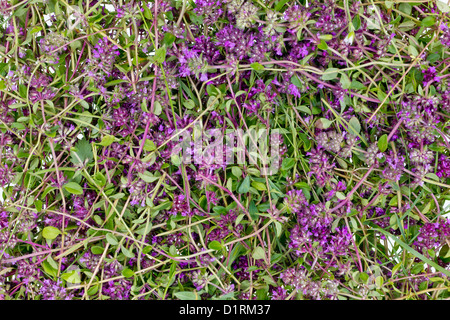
224 149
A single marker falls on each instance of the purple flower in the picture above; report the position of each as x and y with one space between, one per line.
297 16
211 10
181 205
433 235
443 170
430 76
52 290
320 166
394 166
292 89
445 38
279 293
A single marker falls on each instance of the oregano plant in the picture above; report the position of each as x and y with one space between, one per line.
224 150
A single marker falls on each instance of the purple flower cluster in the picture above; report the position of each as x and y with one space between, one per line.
313 231
297 279
225 226
320 166
443 170
103 56
445 38
52 290
211 10
242 264
394 166
433 235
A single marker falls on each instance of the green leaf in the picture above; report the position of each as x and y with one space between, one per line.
97 250
157 109
340 195
306 141
418 268
383 143
379 281
335 224
442 6
258 185
197 20
72 276
245 185
257 66
437 279
144 105
413 51
82 152
345 81
187 295
176 160
97 219
50 232
279 228
20 11
99 179
258 253
405 7
117 196
189 104
280 5
160 54
394 201
73 188
304 109
407 25
428 21
85 117
93 290
114 82
220 210
287 163
252 268
432 58
38 204
112 240
239 219
236 171
253 172
215 245
149 145
296 82
168 39
354 125
48 268
432 176
145 229
326 37
364 277
107 140
357 85
127 272
325 123
127 252
356 22
322 45
36 29
330 74
22 90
